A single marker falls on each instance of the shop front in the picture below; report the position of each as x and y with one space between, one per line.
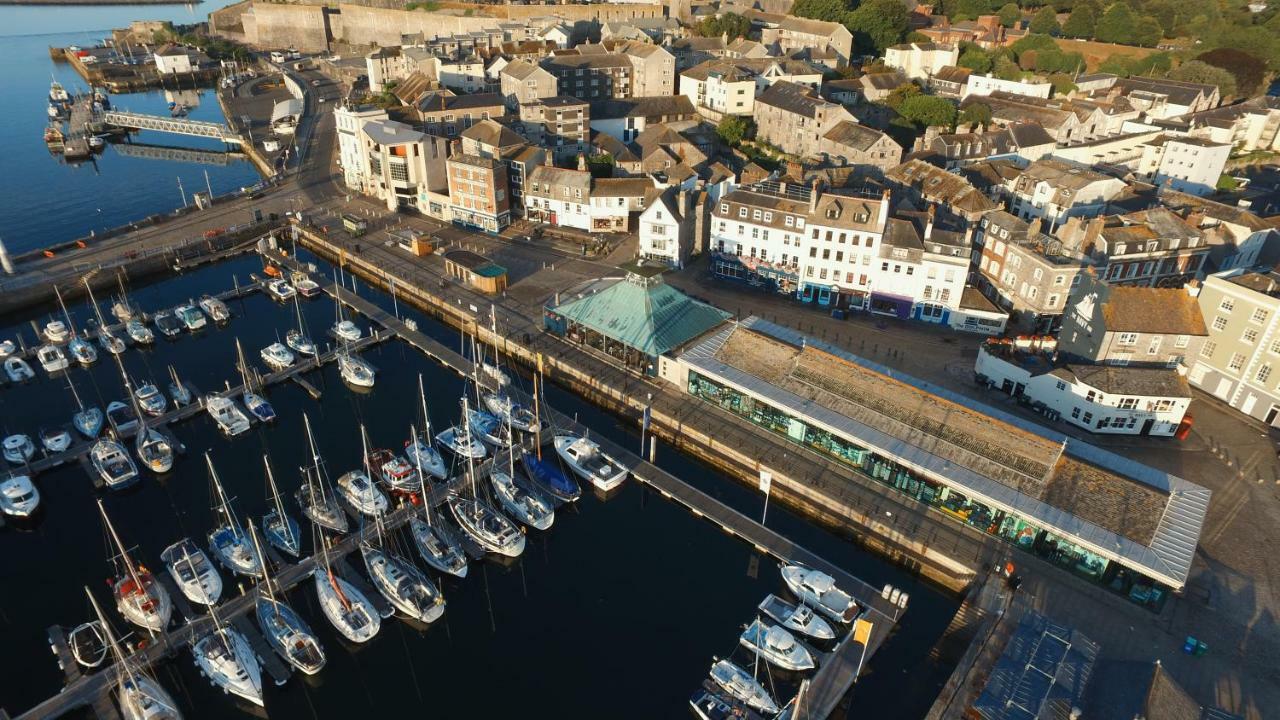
891 305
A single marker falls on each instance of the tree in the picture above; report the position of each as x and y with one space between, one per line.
1010 14
1081 24
877 24
974 114
733 130
1227 184
928 110
1045 22
1248 70
829 10
970 9
600 166
732 24
1197 71
1118 24
1063 84
1006 69
976 59
901 94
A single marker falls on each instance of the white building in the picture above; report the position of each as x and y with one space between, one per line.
729 86
1186 164
349 122
984 85
389 160
386 66
171 60
921 61
1055 190
1238 363
666 229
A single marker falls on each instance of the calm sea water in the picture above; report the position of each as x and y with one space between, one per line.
46 201
616 612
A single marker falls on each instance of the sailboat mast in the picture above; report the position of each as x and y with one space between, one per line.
70 325
466 429
111 637
257 548
102 325
315 458
537 410
124 555
225 507
244 366
426 418
275 494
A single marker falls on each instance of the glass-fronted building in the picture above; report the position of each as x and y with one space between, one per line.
1143 572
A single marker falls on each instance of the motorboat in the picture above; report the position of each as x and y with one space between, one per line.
88 422
280 529
214 308
584 458
488 428
776 645
422 455
88 644
280 289
113 464
154 449
110 342
56 331
230 544
178 390
289 635
95 141
122 417
258 406
229 418
438 548
305 286
55 440
226 658
488 527
168 323
394 471
526 505
7 348
151 400
277 356
139 332
83 351
191 317
139 597
511 412
550 477
52 359
18 496
347 608
18 449
193 572
740 685
457 441
818 590
17 369
403 584
362 494
299 343
355 371
347 330
122 310
797 618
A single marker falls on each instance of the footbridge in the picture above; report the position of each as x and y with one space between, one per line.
165 152
178 126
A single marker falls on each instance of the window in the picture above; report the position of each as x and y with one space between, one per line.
1127 403
1207 350
1088 418
1182 341
1237 362
1227 305
724 208
1259 315
1250 336
768 217
1127 338
1061 386
742 212
1075 413
1154 347
789 221
1219 323
755 214
1264 372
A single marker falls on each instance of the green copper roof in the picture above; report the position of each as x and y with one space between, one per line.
643 313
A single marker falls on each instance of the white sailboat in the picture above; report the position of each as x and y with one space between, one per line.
316 497
139 597
87 420
288 633
139 695
226 658
279 527
740 685
418 448
192 572
297 338
344 329
438 548
358 489
525 504
81 350
255 403
178 390
347 608
230 545
484 524
153 448
354 370
400 581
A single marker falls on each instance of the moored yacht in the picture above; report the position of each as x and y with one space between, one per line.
299 343
394 471
191 317
18 496
139 598
113 464
192 572
178 390
437 548
305 286
488 527
18 448
88 422
168 323
55 440
56 331
151 400
154 449
776 645
110 342
7 348
420 453
799 618
550 477
818 590
461 443
231 545
258 406
280 289
52 358
122 417
361 493
527 506
215 308
277 356
226 658
584 457
355 371
739 684
347 608
347 330
227 415
17 369
489 428
511 412
316 496
139 332
403 584
279 527
82 351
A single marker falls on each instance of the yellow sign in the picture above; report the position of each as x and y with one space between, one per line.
862 631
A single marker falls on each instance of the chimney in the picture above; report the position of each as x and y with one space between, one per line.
1033 228
928 225
548 158
815 191
582 162
884 208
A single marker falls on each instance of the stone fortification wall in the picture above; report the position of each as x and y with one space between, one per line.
302 27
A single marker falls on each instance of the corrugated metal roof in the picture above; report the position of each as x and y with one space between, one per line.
1041 674
647 315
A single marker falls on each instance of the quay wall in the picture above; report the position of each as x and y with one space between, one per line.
867 531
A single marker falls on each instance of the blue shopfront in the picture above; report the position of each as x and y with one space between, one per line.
727 266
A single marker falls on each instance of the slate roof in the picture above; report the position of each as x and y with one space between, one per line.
387 132
938 185
1180 93
621 187
793 98
1123 380
854 135
673 107
1041 674
1159 311
493 133
549 182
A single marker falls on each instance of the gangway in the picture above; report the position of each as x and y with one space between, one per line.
178 126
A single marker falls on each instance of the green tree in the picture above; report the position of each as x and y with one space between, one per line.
1249 71
1226 183
1118 24
976 59
970 9
1118 64
974 114
928 110
1045 22
733 24
877 24
1006 69
1198 71
733 130
1081 24
829 10
901 94
600 166
1062 83
1010 14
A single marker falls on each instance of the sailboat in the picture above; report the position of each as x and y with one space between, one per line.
253 402
740 685
139 597
153 448
87 420
122 309
226 658
419 449
344 329
297 338
488 527
178 390
108 341
437 547
231 546
317 499
526 505
80 349
358 489
347 608
354 370
288 633
400 581
140 696
547 474
281 529
192 572
500 402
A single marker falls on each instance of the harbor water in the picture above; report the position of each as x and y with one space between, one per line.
616 612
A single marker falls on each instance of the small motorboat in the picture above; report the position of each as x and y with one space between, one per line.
151 400
18 449
122 417
277 356
139 332
113 464
740 685
227 415
526 505
258 406
56 331
83 351
7 348
394 471
192 572
215 308
52 359
280 289
403 584
110 342
457 441
226 658
583 456
305 286
17 369
710 702
422 455
347 330
18 496
777 646
438 548
55 440
362 494
96 142
797 618
550 477
299 343
191 317
168 323
355 371
88 422
818 590
491 529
